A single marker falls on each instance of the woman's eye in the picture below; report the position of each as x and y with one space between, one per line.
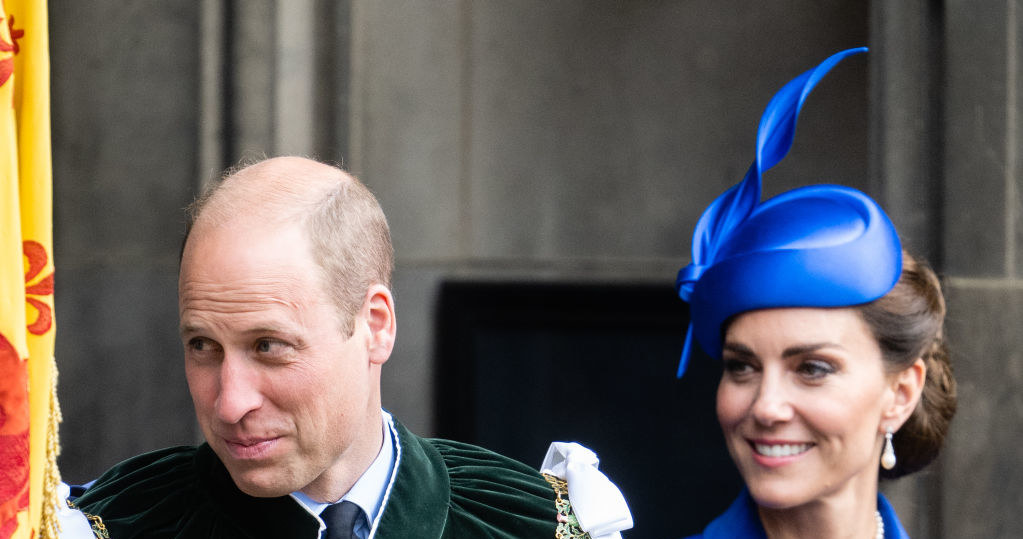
815 369
737 367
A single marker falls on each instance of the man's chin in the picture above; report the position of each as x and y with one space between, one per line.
261 483
260 479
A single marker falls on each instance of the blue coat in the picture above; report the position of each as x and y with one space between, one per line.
741 521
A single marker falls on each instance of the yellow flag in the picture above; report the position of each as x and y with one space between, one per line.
28 406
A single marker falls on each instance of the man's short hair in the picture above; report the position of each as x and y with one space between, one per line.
346 228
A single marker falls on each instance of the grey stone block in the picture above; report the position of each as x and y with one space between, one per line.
975 145
407 120
602 130
124 124
122 383
983 479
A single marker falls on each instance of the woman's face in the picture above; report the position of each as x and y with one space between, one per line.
800 403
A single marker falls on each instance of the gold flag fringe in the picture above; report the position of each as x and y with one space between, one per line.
49 528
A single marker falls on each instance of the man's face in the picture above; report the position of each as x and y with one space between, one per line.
283 397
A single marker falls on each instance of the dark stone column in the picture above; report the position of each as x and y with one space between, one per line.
124 93
983 480
906 158
907 63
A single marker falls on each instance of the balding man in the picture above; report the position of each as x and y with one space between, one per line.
286 320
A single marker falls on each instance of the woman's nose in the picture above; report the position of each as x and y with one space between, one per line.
772 402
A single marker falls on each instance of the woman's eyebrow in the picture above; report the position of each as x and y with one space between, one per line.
743 350
804 348
739 349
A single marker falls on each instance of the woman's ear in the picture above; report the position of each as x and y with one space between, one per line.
906 386
378 310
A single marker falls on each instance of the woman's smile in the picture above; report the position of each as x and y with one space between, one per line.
779 450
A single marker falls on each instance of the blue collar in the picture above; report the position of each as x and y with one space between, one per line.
741 521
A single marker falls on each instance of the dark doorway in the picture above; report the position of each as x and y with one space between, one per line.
524 364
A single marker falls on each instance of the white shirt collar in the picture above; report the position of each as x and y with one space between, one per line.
369 490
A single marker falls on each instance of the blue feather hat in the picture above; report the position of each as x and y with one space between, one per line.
816 246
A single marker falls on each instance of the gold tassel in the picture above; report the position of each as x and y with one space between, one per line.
49 528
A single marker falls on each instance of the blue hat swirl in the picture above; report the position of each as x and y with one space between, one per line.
815 246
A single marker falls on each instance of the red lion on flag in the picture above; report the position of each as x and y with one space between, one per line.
13 437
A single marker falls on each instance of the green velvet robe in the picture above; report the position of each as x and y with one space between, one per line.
442 489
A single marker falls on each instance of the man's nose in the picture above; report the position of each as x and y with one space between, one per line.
772 403
239 392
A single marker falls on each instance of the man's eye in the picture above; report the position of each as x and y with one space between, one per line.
202 347
268 346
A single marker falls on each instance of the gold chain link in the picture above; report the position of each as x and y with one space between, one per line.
568 524
98 528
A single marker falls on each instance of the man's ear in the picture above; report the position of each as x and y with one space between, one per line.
906 385
378 309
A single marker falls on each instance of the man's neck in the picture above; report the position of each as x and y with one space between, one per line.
336 481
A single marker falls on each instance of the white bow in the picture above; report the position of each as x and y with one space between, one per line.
597 503
72 522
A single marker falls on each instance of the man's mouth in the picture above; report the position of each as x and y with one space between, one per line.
250 448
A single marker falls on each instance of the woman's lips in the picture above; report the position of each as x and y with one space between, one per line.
778 452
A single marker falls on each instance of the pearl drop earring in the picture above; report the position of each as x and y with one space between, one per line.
888 456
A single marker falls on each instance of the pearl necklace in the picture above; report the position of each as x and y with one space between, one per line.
880 525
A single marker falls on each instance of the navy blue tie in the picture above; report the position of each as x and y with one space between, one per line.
340 519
